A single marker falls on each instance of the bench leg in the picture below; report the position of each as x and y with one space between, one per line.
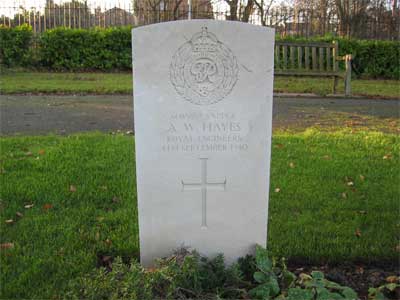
347 79
334 86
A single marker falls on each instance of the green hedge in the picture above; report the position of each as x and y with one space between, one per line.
15 46
110 49
80 49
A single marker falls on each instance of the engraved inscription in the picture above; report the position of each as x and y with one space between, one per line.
203 70
203 186
205 132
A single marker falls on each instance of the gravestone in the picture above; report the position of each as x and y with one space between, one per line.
203 111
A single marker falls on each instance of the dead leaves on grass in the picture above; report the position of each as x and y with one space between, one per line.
387 156
47 206
72 188
350 183
7 246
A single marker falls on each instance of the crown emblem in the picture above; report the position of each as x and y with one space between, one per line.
203 70
204 41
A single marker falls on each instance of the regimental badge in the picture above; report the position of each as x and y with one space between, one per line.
203 70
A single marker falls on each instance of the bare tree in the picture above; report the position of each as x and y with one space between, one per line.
236 8
264 9
351 15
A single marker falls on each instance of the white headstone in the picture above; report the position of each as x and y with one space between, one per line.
203 117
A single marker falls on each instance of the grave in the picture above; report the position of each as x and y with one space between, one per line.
203 117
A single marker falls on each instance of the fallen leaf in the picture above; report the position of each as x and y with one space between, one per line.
72 188
387 156
291 165
18 214
115 199
362 177
7 246
29 153
108 242
358 232
41 151
47 206
344 195
29 206
359 270
392 279
151 270
280 146
9 221
277 190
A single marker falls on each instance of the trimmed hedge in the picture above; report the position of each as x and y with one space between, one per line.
80 49
15 46
110 49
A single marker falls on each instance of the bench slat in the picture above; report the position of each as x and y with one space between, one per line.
278 54
328 59
307 57
299 57
321 59
314 58
308 73
305 44
292 65
284 56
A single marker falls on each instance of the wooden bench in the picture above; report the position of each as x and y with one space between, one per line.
312 59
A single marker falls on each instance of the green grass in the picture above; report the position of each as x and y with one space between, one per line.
12 82
60 237
97 83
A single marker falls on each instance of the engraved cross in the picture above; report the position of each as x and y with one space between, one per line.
204 186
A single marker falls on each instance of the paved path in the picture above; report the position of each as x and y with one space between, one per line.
38 114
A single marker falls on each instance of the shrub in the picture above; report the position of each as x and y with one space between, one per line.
81 49
15 46
187 275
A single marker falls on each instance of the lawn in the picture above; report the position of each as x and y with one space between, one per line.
121 83
334 198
